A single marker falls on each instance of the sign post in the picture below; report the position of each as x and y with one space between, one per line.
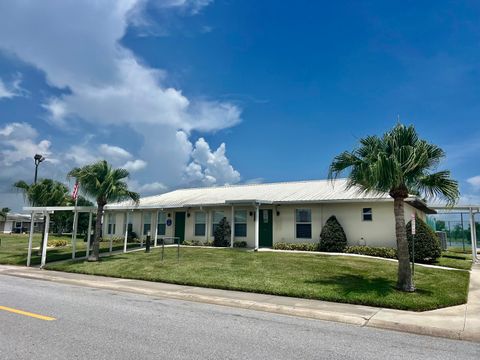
413 242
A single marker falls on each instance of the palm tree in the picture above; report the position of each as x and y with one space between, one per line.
4 212
105 184
400 164
46 192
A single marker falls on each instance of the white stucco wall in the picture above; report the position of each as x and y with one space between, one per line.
378 232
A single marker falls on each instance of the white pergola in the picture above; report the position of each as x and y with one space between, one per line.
47 211
472 210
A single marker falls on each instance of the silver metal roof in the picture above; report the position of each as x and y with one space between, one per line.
315 191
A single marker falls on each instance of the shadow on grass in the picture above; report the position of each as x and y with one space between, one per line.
356 284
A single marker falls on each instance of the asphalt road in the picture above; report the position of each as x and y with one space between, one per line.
96 324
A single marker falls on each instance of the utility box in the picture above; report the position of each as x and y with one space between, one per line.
442 235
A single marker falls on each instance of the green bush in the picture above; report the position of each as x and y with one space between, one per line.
332 237
197 243
295 246
240 244
57 243
221 235
383 252
427 243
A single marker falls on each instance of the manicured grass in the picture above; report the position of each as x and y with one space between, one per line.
332 278
455 259
14 247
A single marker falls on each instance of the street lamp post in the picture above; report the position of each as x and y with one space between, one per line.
38 159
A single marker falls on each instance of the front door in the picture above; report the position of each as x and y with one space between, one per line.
266 229
180 226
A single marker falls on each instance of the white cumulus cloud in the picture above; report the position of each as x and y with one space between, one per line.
475 182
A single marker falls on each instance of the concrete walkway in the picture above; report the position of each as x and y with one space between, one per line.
457 322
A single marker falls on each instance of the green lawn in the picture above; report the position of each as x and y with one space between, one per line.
13 248
332 278
455 258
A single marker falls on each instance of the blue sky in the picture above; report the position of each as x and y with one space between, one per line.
200 92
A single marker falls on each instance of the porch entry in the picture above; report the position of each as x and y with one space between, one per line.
180 226
265 229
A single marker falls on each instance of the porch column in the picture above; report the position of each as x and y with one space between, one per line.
141 229
207 224
89 235
74 233
126 233
232 229
30 238
257 226
155 229
45 243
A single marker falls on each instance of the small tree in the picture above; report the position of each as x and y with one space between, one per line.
332 237
4 212
427 243
221 235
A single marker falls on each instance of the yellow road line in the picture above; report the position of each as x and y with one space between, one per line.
26 313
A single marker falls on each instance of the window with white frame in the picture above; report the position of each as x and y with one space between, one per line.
303 223
111 224
240 223
217 217
161 223
367 214
200 223
147 222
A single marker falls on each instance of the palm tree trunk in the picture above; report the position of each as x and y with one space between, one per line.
95 255
404 281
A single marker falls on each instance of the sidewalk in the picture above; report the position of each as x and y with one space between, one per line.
457 322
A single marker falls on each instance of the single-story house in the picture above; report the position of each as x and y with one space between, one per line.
19 223
263 214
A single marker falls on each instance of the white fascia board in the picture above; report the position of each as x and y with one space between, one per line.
39 209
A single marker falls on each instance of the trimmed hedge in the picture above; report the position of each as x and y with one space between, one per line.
383 252
332 237
240 244
296 246
427 243
57 243
197 243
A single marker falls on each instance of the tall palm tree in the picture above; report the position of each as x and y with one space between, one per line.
46 192
400 164
105 184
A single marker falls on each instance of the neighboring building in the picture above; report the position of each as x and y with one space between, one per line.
283 212
19 223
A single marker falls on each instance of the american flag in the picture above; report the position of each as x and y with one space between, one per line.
75 191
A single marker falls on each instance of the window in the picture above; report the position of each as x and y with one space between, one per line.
111 224
147 222
18 224
200 221
241 223
161 223
303 223
367 214
217 217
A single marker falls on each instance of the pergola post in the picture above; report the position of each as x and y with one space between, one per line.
257 226
30 239
126 233
74 233
232 229
473 235
89 235
111 235
155 229
45 242
207 224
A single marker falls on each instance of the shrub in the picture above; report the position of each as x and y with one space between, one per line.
383 252
427 243
295 246
333 237
240 244
57 243
221 235
197 243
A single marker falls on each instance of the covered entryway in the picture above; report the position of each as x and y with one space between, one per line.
180 226
266 228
